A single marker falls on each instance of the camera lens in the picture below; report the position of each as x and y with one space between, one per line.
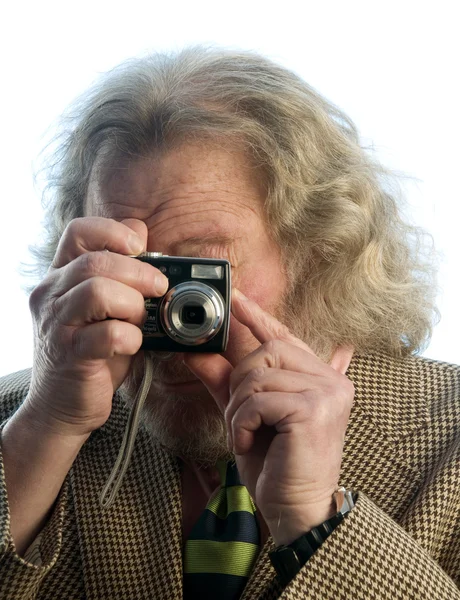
193 314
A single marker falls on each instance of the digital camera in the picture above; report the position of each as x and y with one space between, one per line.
194 314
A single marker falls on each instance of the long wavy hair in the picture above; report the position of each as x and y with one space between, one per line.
360 274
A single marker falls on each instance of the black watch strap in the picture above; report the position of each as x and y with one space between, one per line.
288 560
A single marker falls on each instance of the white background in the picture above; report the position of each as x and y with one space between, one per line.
393 66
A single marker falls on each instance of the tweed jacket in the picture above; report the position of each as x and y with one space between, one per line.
401 541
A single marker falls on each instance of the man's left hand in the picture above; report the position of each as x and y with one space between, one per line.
286 413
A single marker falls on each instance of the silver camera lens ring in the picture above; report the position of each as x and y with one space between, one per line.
201 295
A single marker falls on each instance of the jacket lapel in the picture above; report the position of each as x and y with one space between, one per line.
133 549
389 407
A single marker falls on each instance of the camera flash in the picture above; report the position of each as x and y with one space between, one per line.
207 272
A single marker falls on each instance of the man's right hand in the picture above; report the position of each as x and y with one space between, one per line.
87 315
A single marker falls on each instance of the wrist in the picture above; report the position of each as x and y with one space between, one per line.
36 424
37 420
36 463
290 558
295 523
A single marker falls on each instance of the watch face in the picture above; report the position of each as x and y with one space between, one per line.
343 500
348 503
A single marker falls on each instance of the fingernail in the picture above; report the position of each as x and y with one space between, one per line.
162 284
135 243
239 294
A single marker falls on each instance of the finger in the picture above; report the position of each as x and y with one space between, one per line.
89 234
97 299
265 327
142 276
140 228
269 380
341 359
214 371
106 339
279 354
273 409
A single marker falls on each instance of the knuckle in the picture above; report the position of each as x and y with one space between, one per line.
96 298
334 401
256 375
42 308
270 346
319 409
73 228
115 336
342 386
94 263
348 385
274 349
36 297
347 390
283 332
95 288
322 414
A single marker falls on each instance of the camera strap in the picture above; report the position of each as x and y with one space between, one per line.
115 479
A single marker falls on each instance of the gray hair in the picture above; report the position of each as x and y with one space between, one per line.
358 270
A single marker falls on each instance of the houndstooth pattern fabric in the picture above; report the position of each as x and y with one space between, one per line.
401 541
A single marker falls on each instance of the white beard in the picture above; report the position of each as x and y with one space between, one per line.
189 426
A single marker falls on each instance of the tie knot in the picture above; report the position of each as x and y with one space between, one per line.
228 473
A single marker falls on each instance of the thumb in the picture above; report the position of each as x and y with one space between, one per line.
214 371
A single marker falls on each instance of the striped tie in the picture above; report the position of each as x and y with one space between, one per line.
224 543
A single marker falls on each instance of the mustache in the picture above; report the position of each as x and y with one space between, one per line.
170 370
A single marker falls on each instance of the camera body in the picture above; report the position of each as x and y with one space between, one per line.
194 314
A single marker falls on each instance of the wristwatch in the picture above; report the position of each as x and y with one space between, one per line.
288 560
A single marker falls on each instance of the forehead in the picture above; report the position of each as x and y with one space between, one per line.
197 193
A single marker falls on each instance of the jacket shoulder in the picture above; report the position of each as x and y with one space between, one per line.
432 365
441 383
439 376
13 389
400 394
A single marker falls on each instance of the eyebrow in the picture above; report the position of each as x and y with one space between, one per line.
212 239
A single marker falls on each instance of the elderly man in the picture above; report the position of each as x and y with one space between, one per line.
233 487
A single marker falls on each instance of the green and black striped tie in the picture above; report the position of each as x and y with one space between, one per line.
224 543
